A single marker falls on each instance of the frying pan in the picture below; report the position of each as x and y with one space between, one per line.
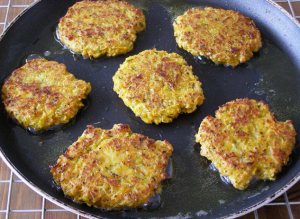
195 190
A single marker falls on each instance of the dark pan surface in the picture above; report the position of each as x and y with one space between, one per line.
272 75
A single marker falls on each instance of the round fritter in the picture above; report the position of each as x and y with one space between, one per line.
95 28
158 86
112 169
245 141
225 36
42 94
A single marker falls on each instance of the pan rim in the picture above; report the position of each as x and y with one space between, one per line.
85 214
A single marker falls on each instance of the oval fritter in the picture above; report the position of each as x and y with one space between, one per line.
42 94
225 36
158 86
245 141
112 169
95 28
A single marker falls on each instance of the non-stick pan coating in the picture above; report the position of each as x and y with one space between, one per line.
272 75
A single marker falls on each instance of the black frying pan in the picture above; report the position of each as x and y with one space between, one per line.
272 75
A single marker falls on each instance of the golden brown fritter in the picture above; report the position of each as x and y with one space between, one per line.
225 36
112 169
42 94
96 28
158 86
245 141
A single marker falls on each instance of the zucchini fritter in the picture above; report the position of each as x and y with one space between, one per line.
112 169
95 28
225 36
158 86
245 141
42 94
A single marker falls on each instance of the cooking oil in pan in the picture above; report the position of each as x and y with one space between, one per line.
253 183
52 128
153 203
64 47
178 7
30 57
136 120
103 122
169 169
47 53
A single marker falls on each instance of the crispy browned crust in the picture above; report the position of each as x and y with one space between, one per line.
96 28
245 140
158 86
112 169
225 36
42 94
